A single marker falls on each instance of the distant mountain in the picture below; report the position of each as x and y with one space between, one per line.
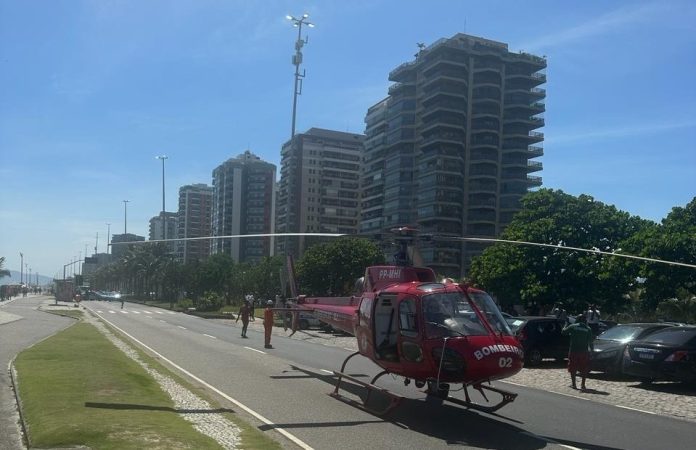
14 279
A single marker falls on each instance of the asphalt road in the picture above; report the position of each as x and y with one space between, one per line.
289 384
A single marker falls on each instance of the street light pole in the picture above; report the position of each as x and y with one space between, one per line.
21 268
125 216
164 221
297 60
108 237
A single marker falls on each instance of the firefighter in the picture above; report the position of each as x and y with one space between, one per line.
268 323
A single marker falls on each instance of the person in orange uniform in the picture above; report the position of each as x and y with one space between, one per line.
268 323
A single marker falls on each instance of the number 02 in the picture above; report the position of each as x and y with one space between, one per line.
505 362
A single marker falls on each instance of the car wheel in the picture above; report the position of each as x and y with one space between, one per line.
534 357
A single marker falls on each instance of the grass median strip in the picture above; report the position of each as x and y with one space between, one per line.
77 388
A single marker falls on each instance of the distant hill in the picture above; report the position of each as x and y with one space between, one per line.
14 279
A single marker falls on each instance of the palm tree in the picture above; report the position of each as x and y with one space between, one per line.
3 272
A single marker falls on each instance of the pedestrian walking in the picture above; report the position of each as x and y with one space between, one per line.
244 312
252 305
581 338
268 323
593 318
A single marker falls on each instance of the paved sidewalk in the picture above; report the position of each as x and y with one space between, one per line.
22 324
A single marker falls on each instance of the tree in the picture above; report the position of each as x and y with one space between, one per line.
540 277
332 268
681 309
3 272
673 240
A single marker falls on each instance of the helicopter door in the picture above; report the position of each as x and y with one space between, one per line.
409 335
386 326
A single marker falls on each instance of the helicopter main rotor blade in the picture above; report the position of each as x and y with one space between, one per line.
563 247
232 236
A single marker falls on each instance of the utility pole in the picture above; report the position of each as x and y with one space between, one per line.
297 60
21 268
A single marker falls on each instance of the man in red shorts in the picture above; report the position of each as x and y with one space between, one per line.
581 337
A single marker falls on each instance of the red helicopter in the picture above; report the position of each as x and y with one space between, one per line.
434 333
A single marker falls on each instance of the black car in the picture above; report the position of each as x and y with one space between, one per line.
668 354
540 338
609 346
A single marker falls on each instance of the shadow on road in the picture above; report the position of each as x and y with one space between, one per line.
440 420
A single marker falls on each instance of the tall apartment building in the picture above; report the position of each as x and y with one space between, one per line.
157 224
450 150
121 249
195 212
319 186
243 203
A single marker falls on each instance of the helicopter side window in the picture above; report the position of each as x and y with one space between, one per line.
407 317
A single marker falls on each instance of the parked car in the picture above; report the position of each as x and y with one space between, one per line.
540 338
610 345
307 320
668 354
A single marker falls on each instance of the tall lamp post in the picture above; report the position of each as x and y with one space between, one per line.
125 216
21 268
164 220
108 237
297 60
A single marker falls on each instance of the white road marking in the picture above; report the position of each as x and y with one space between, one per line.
163 321
636 409
183 328
258 416
100 312
211 337
349 349
550 441
147 312
254 350
159 312
112 312
135 312
124 312
327 371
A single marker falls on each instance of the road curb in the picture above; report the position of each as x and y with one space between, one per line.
18 402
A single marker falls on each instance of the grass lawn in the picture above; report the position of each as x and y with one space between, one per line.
77 388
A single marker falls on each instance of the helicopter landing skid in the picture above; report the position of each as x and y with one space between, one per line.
393 402
393 399
508 397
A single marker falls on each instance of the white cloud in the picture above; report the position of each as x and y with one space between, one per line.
616 132
599 25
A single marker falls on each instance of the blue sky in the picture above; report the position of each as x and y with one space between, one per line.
92 91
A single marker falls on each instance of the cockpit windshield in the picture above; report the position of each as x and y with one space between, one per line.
487 306
451 314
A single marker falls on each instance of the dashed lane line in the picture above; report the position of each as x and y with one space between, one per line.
211 337
254 350
147 312
183 328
